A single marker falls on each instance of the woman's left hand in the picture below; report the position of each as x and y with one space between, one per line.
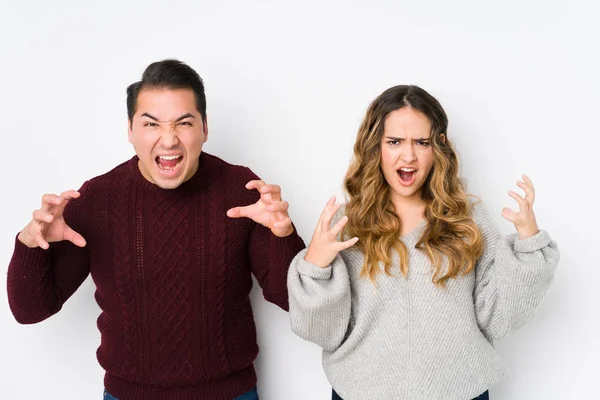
524 220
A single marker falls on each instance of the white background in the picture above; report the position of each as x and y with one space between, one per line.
287 85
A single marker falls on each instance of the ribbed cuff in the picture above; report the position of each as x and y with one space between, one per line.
311 270
24 255
534 243
287 247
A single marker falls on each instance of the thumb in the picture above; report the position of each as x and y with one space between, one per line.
74 237
509 214
238 212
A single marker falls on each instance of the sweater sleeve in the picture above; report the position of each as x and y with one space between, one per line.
512 277
320 299
270 257
40 281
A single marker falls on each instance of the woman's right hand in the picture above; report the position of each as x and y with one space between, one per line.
48 224
324 246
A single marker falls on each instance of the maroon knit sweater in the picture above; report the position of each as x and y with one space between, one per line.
172 275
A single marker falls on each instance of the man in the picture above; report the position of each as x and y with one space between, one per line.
162 237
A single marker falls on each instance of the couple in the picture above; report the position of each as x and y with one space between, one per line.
405 287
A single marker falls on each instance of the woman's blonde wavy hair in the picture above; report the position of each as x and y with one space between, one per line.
450 232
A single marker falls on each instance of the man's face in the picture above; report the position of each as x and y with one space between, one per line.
167 133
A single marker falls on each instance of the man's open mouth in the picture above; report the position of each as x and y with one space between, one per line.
169 164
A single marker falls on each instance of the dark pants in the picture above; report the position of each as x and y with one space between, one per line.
252 394
485 396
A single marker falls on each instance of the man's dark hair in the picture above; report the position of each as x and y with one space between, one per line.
167 74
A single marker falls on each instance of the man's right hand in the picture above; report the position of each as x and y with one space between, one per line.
48 224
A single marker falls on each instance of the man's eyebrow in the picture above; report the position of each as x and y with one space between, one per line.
149 116
184 116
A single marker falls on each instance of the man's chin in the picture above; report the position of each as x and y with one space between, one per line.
168 184
166 180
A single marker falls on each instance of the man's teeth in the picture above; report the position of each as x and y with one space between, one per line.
169 157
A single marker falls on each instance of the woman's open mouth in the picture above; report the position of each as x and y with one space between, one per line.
407 175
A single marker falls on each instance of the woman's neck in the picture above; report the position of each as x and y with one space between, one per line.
410 210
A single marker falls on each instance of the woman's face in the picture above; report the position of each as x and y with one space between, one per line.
406 153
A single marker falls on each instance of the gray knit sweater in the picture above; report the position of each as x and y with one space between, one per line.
405 338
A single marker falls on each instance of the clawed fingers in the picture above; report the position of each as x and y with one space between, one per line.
49 200
519 199
328 213
68 195
523 219
281 206
529 182
330 202
273 190
528 188
337 228
255 184
42 216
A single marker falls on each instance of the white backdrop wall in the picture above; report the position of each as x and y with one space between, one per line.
287 85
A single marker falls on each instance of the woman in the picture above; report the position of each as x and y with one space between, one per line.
407 304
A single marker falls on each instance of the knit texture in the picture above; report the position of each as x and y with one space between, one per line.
405 338
173 277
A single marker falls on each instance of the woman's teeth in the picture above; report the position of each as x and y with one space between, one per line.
406 174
